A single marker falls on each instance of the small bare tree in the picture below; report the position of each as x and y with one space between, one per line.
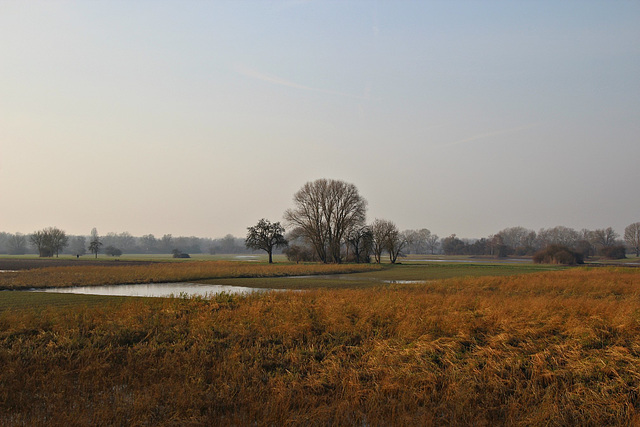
95 244
380 231
266 236
385 236
396 241
359 239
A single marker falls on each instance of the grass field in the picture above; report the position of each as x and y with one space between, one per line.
120 273
468 345
388 274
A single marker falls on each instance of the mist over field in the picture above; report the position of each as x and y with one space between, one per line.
198 119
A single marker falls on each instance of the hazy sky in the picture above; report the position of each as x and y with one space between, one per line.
201 117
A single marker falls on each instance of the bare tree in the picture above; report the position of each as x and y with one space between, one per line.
417 240
266 236
603 238
632 236
324 211
126 241
95 243
49 241
149 243
380 231
17 244
559 235
386 237
39 240
518 240
58 239
432 243
166 243
396 241
360 240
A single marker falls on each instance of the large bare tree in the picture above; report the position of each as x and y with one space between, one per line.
324 211
632 236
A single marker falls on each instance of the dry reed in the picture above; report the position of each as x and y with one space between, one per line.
557 348
164 272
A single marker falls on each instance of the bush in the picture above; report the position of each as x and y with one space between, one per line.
614 252
179 254
112 251
558 254
299 253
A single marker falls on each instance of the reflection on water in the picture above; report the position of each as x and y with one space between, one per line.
154 290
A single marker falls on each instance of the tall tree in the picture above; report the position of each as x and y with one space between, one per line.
95 243
39 239
396 241
432 243
17 244
324 211
149 243
58 240
518 240
381 229
266 236
604 237
417 240
632 236
360 240
166 243
49 241
558 235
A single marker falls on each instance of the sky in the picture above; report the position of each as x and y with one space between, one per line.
198 118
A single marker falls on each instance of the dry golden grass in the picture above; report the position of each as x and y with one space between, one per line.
164 272
556 348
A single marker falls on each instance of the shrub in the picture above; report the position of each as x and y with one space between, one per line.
177 253
558 254
614 252
112 251
299 253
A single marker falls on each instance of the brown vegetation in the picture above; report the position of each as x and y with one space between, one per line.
558 254
556 348
161 272
31 263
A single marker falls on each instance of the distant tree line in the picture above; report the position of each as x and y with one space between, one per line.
52 241
520 241
328 224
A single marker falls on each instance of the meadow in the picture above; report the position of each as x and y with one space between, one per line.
468 345
115 273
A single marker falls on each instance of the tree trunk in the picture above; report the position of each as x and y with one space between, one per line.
270 258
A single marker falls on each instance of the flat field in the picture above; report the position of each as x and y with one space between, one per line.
114 273
513 345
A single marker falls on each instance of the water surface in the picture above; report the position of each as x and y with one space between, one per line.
154 290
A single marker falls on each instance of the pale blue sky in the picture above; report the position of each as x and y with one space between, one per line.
199 118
